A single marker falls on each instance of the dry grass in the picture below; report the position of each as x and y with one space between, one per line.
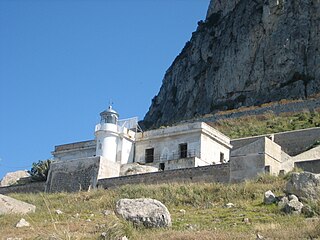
205 216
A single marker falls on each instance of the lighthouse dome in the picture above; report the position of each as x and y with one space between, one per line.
109 116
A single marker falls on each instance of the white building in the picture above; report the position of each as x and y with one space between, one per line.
122 148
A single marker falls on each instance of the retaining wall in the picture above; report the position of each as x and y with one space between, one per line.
33 187
293 142
213 173
309 166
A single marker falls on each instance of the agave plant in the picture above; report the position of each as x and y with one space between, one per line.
39 170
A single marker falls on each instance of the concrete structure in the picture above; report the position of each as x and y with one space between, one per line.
261 156
119 150
182 146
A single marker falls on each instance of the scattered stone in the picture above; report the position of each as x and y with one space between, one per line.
293 206
77 215
22 223
124 238
107 212
269 197
104 234
259 237
305 185
229 205
88 220
307 211
182 211
282 202
14 238
246 220
10 205
191 227
144 211
59 212
293 197
12 178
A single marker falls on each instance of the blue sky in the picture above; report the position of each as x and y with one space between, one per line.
62 61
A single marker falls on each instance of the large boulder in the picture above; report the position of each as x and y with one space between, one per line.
13 177
10 205
144 211
305 185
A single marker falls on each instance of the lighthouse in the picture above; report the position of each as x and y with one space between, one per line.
107 135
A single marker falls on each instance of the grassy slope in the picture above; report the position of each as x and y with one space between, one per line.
205 217
267 123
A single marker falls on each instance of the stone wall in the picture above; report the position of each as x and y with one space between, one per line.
33 187
73 175
212 173
309 166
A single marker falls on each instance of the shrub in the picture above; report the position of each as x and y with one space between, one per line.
39 171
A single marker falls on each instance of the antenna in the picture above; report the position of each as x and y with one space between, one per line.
110 102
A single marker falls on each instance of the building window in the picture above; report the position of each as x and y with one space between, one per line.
161 166
183 148
267 169
221 157
149 155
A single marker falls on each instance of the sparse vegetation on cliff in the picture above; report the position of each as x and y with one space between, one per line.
267 123
198 212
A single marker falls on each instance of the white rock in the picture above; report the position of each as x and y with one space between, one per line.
182 211
229 205
59 212
293 206
22 223
269 197
13 177
10 205
144 211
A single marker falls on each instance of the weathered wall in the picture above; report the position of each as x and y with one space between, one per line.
312 154
293 142
166 142
33 187
250 160
246 167
210 150
213 173
75 150
73 175
309 166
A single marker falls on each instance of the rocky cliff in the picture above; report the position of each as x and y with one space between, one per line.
246 52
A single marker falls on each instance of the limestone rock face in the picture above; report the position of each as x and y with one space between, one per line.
13 177
144 211
305 185
10 205
245 53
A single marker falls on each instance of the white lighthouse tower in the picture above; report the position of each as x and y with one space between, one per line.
107 135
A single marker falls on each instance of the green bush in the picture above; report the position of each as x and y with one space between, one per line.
39 171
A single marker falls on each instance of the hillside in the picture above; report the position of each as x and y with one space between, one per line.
245 53
267 123
205 217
